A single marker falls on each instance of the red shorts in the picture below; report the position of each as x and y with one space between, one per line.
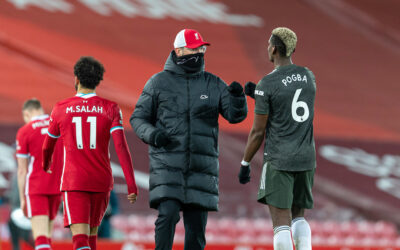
84 207
42 204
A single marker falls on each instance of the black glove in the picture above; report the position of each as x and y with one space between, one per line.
235 89
159 138
249 89
244 174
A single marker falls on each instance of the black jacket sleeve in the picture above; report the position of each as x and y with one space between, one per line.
144 116
232 108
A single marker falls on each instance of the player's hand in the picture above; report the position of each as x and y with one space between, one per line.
249 89
244 174
235 89
46 168
159 138
132 198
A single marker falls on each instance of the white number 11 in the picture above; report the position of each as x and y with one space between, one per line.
78 128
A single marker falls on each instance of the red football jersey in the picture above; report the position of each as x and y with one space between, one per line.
85 123
29 145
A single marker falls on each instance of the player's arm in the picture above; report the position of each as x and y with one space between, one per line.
125 160
50 141
256 136
254 142
22 171
261 111
47 151
257 131
22 155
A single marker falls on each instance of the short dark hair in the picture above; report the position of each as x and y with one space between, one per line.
89 72
31 104
279 45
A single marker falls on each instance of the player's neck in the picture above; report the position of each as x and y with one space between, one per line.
85 90
279 61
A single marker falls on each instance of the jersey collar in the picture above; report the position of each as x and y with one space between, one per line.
85 95
39 117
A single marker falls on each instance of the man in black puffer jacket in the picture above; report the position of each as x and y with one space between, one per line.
177 115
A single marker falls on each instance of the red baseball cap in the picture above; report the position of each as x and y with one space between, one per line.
189 38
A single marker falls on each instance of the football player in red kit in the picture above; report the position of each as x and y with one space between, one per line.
39 193
85 123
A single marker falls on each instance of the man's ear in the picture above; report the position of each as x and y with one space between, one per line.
26 116
178 52
77 83
274 50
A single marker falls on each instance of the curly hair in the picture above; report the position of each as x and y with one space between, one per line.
286 37
89 72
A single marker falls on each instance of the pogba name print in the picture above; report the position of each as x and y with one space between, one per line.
294 78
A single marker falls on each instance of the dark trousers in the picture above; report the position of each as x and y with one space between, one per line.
19 233
194 220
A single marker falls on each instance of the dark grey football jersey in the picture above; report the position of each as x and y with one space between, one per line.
287 95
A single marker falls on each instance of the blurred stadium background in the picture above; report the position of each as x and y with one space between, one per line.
352 46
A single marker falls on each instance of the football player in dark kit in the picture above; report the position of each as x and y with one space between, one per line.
284 113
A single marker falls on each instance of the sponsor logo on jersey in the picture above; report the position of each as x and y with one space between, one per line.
294 78
259 92
203 97
84 109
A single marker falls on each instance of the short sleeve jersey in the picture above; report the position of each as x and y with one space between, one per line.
29 145
287 96
85 122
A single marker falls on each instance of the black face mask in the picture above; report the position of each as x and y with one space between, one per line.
190 63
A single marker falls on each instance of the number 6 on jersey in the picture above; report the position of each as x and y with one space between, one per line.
78 128
299 104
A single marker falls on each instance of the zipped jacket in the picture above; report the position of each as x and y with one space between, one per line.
187 107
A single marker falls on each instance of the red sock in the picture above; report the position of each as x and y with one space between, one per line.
49 239
80 241
42 243
93 242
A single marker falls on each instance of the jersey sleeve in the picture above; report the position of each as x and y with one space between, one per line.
262 96
125 159
312 76
22 145
53 130
117 119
